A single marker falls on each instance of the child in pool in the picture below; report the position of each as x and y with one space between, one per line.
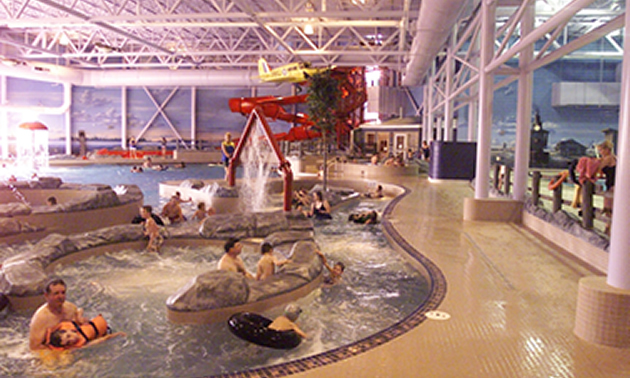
267 263
71 335
201 212
335 272
151 229
286 321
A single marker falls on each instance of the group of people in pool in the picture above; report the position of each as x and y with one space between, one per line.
266 267
148 164
316 206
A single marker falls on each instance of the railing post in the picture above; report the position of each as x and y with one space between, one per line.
536 176
557 198
587 204
506 179
495 179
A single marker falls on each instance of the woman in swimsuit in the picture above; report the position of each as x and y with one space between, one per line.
320 208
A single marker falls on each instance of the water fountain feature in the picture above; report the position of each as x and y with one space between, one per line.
257 160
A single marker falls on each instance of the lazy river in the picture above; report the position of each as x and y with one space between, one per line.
129 289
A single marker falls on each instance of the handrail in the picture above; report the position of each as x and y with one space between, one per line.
584 198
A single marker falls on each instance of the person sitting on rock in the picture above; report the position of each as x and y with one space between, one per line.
268 262
231 261
286 321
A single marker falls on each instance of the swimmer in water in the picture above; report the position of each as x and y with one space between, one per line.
335 271
286 321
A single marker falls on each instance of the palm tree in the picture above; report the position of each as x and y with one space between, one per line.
323 99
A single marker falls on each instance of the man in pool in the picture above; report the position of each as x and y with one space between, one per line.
54 311
286 321
231 260
335 272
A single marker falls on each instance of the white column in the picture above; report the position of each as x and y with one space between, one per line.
430 104
448 103
426 123
619 255
473 106
4 118
67 94
523 111
123 117
486 81
193 117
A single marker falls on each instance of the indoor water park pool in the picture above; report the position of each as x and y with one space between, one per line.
148 180
129 288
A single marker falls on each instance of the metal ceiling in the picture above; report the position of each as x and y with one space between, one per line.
111 34
101 37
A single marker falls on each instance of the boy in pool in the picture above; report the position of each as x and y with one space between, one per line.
267 263
335 272
151 229
286 321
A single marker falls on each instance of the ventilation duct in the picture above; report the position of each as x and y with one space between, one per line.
435 23
130 78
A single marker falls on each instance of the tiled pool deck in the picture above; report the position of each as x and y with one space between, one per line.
511 298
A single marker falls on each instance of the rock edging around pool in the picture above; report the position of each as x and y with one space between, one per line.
209 297
24 214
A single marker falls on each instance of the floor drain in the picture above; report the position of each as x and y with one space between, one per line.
437 315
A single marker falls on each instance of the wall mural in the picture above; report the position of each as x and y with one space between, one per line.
97 111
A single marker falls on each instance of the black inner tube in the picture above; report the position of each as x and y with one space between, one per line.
254 328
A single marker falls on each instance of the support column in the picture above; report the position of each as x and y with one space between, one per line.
603 304
524 110
67 99
619 260
448 89
430 84
486 89
193 118
426 123
473 117
4 119
123 118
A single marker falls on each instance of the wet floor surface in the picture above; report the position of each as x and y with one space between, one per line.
511 298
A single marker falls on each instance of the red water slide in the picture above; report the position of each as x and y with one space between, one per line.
349 113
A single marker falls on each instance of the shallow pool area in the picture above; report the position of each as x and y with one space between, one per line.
129 289
148 181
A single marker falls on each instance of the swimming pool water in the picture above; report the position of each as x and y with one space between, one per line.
148 180
130 289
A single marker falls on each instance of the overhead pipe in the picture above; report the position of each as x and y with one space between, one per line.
435 23
132 78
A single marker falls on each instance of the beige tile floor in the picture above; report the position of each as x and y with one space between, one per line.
511 297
